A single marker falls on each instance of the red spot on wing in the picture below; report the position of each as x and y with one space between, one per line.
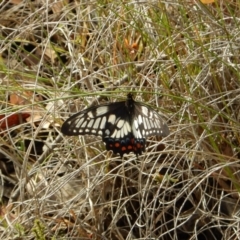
130 147
139 146
117 144
124 149
125 145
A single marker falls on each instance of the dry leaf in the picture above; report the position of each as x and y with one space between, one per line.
12 120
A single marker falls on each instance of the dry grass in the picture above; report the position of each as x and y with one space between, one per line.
57 58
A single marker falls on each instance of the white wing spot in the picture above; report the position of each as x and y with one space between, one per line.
90 114
118 134
84 125
150 114
79 123
120 123
128 126
136 133
122 133
96 124
90 123
69 122
140 120
114 133
103 122
125 129
152 124
145 123
136 124
145 111
112 118
107 132
156 124
101 110
140 134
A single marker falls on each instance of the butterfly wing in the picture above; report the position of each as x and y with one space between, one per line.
118 135
93 120
147 122
110 121
132 129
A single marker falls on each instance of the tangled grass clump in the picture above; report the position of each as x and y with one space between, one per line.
180 57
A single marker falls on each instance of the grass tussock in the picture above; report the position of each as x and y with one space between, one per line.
182 57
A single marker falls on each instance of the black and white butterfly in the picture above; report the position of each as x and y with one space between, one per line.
123 125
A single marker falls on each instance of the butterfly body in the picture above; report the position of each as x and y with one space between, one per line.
123 125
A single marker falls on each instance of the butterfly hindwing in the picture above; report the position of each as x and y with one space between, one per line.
119 137
125 145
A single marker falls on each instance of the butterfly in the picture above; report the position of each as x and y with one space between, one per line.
123 126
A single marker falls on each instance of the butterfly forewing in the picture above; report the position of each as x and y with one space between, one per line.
123 126
147 122
92 120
